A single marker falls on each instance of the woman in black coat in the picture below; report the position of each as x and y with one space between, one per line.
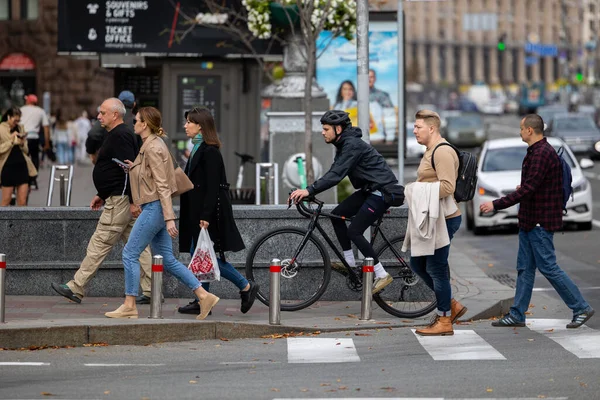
208 205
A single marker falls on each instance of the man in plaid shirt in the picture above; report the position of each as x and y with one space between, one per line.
540 214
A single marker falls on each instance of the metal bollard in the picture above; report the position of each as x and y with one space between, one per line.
367 293
157 281
274 295
62 190
2 286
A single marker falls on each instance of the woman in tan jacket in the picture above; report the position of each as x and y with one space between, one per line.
15 165
152 176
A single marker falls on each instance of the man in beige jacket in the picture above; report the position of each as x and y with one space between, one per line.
114 193
434 269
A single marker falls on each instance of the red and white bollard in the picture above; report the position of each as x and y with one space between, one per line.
2 286
274 292
157 283
367 292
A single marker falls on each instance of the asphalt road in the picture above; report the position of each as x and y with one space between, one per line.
477 362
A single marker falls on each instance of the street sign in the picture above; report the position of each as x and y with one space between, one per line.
542 50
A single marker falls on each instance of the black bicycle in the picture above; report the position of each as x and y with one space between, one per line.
306 267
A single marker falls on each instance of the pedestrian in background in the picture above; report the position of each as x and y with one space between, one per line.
61 137
433 269
34 119
114 192
15 165
208 206
82 127
153 183
540 196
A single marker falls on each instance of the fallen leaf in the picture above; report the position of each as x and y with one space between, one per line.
331 390
337 319
582 384
47 394
224 339
351 316
107 392
325 384
343 388
490 265
338 380
545 308
193 382
407 321
541 396
530 340
549 330
304 390
274 390
388 389
489 390
528 313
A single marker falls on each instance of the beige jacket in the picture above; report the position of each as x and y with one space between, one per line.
7 143
153 176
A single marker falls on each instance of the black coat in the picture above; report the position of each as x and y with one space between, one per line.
208 201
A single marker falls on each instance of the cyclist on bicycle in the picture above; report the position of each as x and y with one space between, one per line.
368 172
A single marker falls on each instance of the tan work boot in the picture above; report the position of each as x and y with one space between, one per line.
442 327
457 310
206 305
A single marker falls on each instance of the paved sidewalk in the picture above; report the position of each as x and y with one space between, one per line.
33 321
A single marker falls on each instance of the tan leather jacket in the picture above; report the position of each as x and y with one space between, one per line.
7 143
153 176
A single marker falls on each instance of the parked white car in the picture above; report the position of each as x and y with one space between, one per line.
499 173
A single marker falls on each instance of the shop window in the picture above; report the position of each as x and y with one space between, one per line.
29 9
5 10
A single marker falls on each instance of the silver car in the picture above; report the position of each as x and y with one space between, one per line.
465 130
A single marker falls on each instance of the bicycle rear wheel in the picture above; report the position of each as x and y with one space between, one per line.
303 281
407 296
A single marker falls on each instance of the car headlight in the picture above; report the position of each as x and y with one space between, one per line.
581 186
597 147
484 191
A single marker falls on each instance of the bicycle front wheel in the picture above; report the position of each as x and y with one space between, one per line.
407 296
303 280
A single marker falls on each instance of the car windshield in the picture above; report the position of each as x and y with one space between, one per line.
570 126
465 122
548 113
511 159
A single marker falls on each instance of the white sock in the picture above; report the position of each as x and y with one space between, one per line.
349 256
379 271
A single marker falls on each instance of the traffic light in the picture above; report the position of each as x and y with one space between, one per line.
579 75
502 42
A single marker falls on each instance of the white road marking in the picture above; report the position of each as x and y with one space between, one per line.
321 350
583 342
463 345
35 364
124 365
431 398
248 362
552 289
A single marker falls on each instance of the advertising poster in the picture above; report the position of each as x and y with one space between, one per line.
337 74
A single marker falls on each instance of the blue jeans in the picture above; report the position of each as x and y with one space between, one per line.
64 154
150 229
435 271
536 249
227 271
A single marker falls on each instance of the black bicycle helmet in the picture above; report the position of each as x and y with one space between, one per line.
336 117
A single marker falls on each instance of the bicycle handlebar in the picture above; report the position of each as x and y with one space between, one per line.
303 209
245 157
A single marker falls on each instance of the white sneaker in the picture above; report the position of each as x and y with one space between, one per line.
380 283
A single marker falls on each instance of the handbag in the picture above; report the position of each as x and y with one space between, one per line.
183 182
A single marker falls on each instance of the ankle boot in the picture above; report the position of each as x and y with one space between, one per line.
457 310
442 327
206 305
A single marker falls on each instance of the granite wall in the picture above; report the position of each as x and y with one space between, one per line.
44 245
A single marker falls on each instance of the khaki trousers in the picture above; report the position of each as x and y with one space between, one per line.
115 223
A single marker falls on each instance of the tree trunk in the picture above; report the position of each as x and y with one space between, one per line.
311 55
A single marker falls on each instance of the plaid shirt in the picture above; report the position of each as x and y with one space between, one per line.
540 193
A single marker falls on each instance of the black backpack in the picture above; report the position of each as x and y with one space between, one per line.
567 187
466 181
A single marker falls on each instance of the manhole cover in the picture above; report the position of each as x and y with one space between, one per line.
504 279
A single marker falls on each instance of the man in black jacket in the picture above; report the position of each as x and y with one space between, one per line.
369 173
114 193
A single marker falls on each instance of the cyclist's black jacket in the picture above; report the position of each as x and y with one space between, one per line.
358 160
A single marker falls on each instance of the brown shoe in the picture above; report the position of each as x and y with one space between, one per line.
442 327
123 312
457 310
206 305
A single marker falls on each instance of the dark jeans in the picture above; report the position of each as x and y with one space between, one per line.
536 249
364 209
435 271
34 152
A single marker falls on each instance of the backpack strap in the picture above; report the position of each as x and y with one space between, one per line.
443 144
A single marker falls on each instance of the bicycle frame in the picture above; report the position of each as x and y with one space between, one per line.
314 216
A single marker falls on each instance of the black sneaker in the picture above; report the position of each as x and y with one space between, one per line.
508 321
580 319
192 308
142 299
248 297
64 290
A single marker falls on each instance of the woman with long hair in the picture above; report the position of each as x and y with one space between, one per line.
152 177
346 96
15 165
208 205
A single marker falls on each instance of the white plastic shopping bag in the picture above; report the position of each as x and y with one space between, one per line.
204 263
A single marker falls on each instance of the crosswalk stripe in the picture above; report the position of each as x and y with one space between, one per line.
584 342
432 398
321 350
20 364
463 345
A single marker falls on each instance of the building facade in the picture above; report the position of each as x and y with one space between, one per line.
469 41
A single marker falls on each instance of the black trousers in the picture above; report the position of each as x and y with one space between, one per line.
34 152
365 209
